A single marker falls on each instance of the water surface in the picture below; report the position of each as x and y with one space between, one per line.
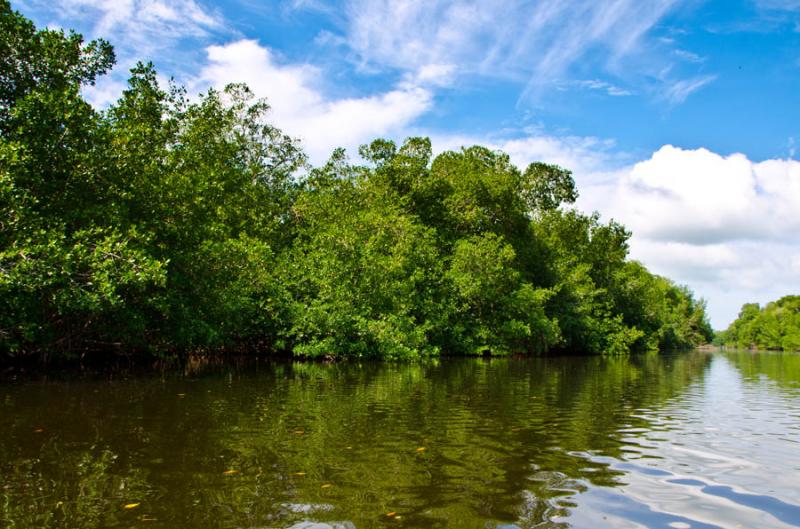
674 442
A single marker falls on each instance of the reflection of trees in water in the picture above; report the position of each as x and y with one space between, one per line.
780 367
67 488
441 444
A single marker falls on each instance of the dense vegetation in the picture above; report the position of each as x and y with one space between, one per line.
775 326
166 224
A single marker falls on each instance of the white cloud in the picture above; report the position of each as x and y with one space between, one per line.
436 74
167 32
106 91
676 92
300 106
725 225
603 86
689 56
726 275
536 42
145 26
700 197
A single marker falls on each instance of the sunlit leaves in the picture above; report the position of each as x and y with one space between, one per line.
775 326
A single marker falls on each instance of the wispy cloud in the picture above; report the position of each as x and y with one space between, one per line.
689 56
534 42
676 92
602 86
171 33
146 25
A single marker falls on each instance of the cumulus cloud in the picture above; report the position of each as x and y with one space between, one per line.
728 274
300 105
726 225
700 197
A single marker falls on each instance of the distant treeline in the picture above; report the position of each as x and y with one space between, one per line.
775 326
164 225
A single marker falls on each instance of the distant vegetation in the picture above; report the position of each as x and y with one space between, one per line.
164 224
775 326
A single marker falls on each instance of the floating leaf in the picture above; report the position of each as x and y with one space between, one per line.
181 395
131 505
230 472
327 486
391 514
421 449
299 474
39 430
299 432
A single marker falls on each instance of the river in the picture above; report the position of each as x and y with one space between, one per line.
696 440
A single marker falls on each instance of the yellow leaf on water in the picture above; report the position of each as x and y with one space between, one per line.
397 517
299 432
327 486
131 505
230 472
421 449
299 474
39 430
391 514
181 395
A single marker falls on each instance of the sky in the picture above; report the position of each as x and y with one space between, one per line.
678 118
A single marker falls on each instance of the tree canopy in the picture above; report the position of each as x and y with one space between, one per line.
164 224
775 326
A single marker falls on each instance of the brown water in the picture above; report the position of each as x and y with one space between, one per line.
691 441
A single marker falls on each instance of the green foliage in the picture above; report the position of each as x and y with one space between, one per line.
496 310
363 275
164 225
775 326
45 61
150 226
546 187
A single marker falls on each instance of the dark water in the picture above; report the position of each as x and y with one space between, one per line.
691 441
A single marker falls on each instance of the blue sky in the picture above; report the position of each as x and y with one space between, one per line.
679 118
